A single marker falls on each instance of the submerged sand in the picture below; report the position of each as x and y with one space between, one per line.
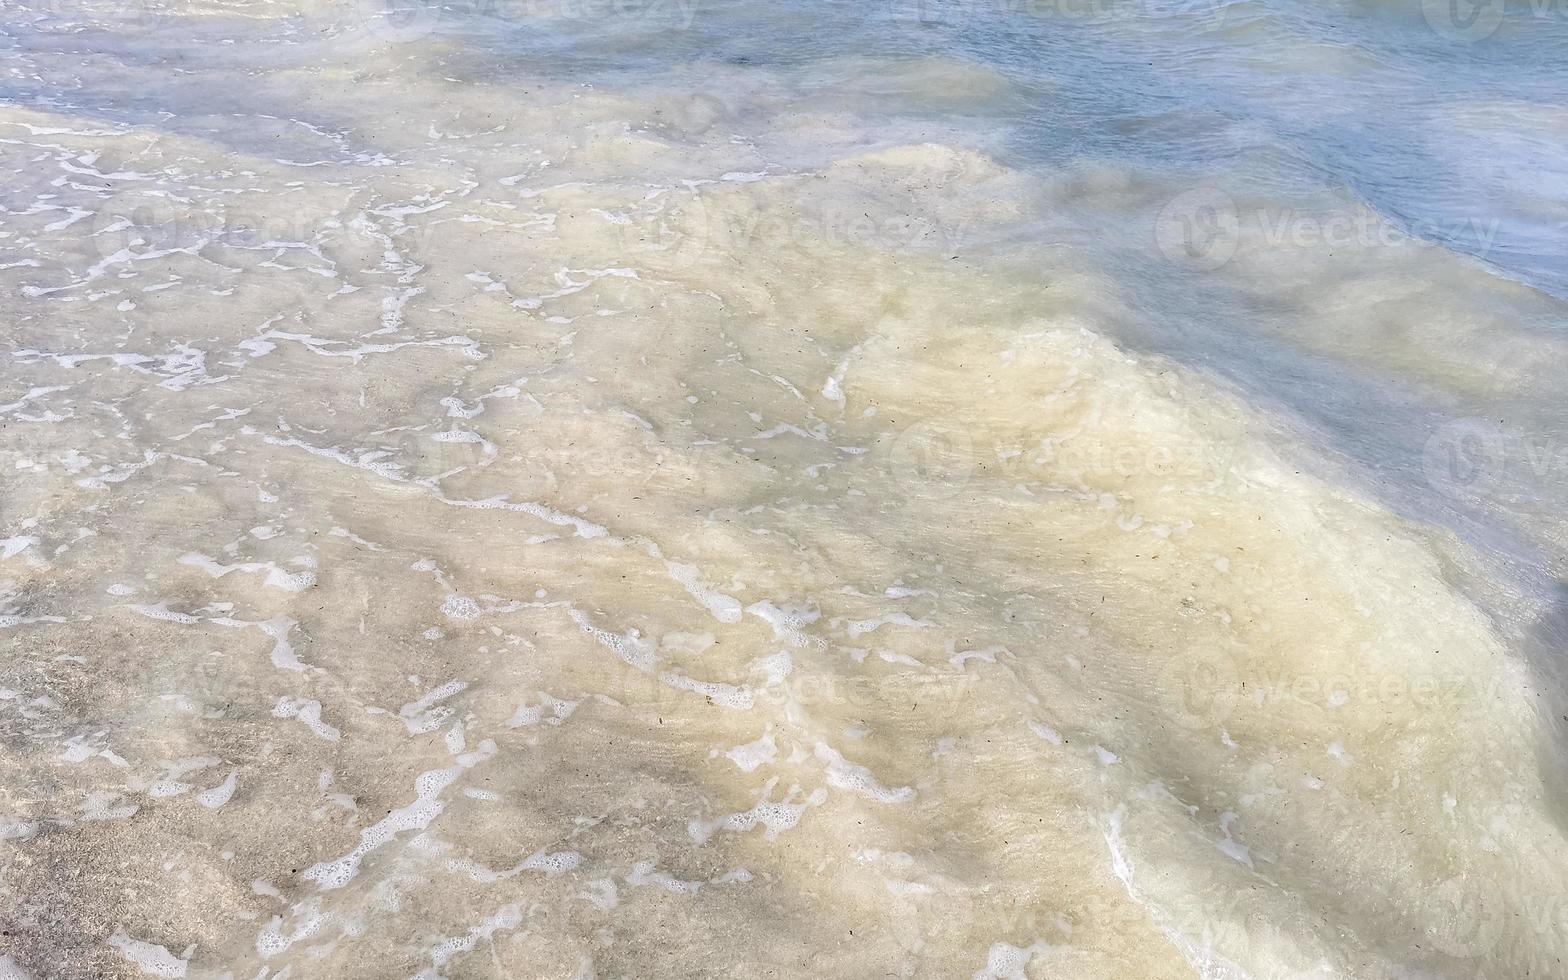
460 522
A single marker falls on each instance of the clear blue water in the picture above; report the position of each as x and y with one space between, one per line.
1456 139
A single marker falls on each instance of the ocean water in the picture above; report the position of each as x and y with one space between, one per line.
719 488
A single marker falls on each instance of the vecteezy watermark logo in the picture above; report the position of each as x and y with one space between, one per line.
145 223
1202 229
399 21
723 223
954 13
932 459
1199 229
939 458
1209 13
690 115
135 15
1199 690
1463 20
1458 922
929 12
142 225
1464 457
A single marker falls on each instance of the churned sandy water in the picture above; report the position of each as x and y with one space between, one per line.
675 489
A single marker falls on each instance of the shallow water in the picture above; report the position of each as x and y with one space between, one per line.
678 489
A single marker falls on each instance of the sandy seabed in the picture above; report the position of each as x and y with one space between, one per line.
460 521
